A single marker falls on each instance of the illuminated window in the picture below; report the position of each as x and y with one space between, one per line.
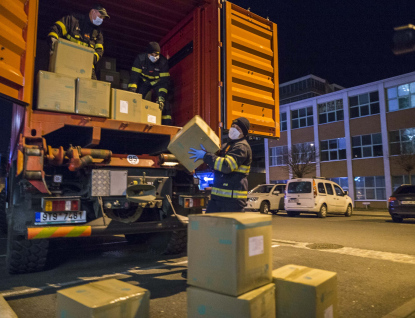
401 97
402 141
278 156
370 188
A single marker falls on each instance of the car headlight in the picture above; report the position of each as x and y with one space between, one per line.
253 199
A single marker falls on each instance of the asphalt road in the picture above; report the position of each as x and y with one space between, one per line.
373 257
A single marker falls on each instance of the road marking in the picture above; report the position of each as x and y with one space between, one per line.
386 256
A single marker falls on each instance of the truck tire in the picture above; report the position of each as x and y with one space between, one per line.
3 215
25 256
177 243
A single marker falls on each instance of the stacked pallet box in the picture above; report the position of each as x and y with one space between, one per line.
230 263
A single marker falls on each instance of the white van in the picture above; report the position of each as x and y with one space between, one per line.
316 195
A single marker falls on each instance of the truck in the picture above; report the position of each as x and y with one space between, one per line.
67 175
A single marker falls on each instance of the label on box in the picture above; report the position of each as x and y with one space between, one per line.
256 245
123 106
109 78
108 65
152 119
328 313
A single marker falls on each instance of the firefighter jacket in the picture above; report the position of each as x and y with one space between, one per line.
231 169
79 29
156 74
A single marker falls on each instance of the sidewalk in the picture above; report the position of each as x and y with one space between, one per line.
371 213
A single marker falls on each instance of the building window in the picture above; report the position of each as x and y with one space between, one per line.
366 146
278 156
302 117
283 121
303 152
330 111
397 181
333 149
402 141
401 97
343 182
370 188
364 105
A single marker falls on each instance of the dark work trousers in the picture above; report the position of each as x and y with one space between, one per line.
144 88
215 206
94 74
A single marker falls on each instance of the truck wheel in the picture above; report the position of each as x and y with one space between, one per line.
323 211
264 207
3 215
25 256
349 211
177 243
169 243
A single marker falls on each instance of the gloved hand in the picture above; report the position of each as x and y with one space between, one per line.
197 154
160 101
53 42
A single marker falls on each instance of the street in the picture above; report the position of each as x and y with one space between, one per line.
373 257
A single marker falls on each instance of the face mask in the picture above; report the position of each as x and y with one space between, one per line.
234 133
154 59
97 21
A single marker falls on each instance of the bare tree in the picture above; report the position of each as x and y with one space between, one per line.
301 160
406 162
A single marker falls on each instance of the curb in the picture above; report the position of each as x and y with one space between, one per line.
405 311
5 310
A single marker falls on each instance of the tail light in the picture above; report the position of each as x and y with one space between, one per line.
192 202
60 204
391 199
314 188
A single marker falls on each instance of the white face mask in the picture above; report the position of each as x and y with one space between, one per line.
97 21
153 59
234 133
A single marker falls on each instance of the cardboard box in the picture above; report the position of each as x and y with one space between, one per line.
111 77
304 292
194 133
92 97
125 105
72 59
150 112
229 253
107 63
56 92
108 298
258 303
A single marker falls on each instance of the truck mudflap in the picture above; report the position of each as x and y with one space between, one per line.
112 228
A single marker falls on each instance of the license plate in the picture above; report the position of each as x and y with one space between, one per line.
408 202
43 218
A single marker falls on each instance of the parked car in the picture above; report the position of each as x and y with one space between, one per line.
266 198
316 195
402 203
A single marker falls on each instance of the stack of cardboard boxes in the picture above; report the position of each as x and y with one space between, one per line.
68 88
230 266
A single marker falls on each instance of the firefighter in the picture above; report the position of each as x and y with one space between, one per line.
150 71
83 30
231 168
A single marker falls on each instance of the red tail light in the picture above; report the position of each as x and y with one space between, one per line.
314 188
391 199
75 205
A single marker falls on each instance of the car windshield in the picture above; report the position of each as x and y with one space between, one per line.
299 187
405 190
262 189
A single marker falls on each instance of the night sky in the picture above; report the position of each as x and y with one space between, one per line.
346 42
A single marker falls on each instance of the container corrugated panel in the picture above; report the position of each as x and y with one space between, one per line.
251 71
17 42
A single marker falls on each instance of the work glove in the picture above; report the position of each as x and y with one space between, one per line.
160 101
53 42
197 154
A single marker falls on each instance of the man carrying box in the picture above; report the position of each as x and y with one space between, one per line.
232 165
83 30
150 71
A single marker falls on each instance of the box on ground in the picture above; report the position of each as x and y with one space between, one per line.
56 92
304 292
92 97
125 105
229 253
194 133
107 63
150 112
108 298
72 59
258 303
111 77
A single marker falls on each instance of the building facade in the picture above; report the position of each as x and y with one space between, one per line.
359 135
